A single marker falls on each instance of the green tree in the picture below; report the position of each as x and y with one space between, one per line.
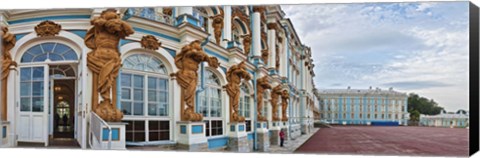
422 105
415 116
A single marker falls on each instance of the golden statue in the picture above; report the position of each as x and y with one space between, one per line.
275 94
187 62
262 84
8 42
234 78
247 41
285 97
217 25
104 61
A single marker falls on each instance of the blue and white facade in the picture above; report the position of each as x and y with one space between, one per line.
148 94
459 119
363 106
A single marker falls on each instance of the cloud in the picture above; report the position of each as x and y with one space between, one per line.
414 47
415 85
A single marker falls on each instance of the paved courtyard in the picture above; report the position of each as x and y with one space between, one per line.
369 140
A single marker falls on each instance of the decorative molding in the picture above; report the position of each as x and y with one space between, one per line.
47 28
150 42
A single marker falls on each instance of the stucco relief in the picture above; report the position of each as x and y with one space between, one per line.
262 85
187 61
104 61
234 77
8 42
47 28
150 42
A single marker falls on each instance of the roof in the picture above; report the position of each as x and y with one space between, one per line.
444 115
347 91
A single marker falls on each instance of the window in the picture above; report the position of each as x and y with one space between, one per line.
244 107
52 51
248 125
158 130
31 89
135 131
210 104
143 89
144 94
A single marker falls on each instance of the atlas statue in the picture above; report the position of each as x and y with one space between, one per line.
262 85
234 77
104 61
187 61
8 42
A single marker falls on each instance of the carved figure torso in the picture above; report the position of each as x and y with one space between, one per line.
275 94
187 61
262 85
234 78
285 97
104 60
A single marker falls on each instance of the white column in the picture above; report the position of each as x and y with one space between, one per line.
256 36
227 23
184 10
271 48
284 57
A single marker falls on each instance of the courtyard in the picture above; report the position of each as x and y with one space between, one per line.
376 140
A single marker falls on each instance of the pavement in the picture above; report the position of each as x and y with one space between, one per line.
398 140
291 145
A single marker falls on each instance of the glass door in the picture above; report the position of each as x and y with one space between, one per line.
32 115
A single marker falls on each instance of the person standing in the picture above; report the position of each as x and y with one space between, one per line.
282 137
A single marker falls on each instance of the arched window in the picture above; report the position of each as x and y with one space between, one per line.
245 106
144 98
210 104
50 50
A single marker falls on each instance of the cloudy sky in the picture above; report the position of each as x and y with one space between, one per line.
412 47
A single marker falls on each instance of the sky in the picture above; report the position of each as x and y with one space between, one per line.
417 47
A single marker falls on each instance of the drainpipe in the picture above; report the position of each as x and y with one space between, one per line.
202 75
255 121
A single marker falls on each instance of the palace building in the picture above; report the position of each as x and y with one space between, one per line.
459 119
363 106
197 78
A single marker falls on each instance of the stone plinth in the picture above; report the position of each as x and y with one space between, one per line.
4 138
117 136
275 137
237 137
304 129
192 136
263 141
285 130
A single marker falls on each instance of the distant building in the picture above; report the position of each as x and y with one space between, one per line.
444 119
363 106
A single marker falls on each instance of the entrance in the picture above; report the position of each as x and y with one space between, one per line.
63 109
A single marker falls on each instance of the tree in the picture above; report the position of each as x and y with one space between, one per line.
422 105
415 116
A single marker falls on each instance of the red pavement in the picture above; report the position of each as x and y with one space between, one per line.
376 140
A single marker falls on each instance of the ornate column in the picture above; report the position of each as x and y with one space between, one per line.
272 27
256 36
238 140
227 27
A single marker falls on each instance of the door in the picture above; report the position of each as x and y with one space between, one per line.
63 108
33 101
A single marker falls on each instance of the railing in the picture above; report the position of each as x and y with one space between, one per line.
96 129
152 14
